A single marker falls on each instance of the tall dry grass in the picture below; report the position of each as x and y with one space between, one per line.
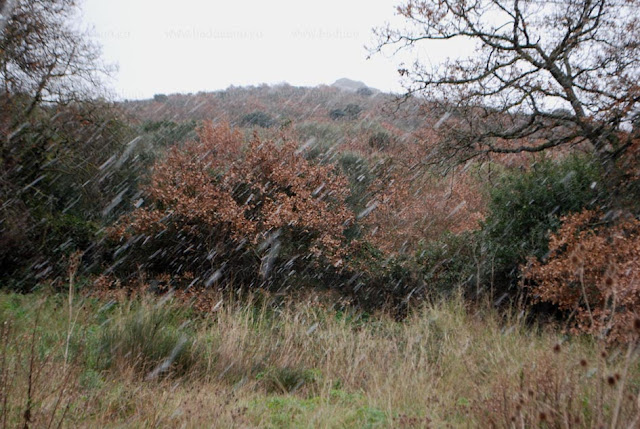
155 363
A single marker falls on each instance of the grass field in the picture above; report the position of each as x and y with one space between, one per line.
154 362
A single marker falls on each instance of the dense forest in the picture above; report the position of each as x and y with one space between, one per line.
317 255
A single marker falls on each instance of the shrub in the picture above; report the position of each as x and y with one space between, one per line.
357 169
380 140
409 207
147 338
160 98
439 268
593 270
319 140
68 170
214 207
525 206
365 91
336 114
628 175
352 111
257 119
384 281
161 134
448 263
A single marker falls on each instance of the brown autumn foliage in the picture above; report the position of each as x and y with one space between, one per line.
593 270
218 197
411 205
409 211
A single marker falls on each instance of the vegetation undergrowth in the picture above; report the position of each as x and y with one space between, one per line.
151 362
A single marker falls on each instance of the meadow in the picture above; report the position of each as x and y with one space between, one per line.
279 362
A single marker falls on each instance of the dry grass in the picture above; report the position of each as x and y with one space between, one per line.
154 363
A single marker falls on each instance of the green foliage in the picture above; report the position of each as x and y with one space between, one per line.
72 231
288 379
338 394
525 206
438 268
150 338
383 280
160 98
257 119
368 417
352 111
357 169
285 411
65 173
156 138
161 134
337 114
58 236
320 140
448 263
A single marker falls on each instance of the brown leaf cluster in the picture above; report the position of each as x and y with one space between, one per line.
593 270
413 205
223 189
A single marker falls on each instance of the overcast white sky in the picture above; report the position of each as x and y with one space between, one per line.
164 46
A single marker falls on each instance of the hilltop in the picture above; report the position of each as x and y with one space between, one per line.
280 104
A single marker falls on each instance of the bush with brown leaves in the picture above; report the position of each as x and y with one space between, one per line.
228 210
593 270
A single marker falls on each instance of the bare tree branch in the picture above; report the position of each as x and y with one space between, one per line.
548 72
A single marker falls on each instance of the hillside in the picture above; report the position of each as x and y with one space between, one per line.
282 103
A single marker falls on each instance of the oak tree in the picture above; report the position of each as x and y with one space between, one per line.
219 205
545 73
